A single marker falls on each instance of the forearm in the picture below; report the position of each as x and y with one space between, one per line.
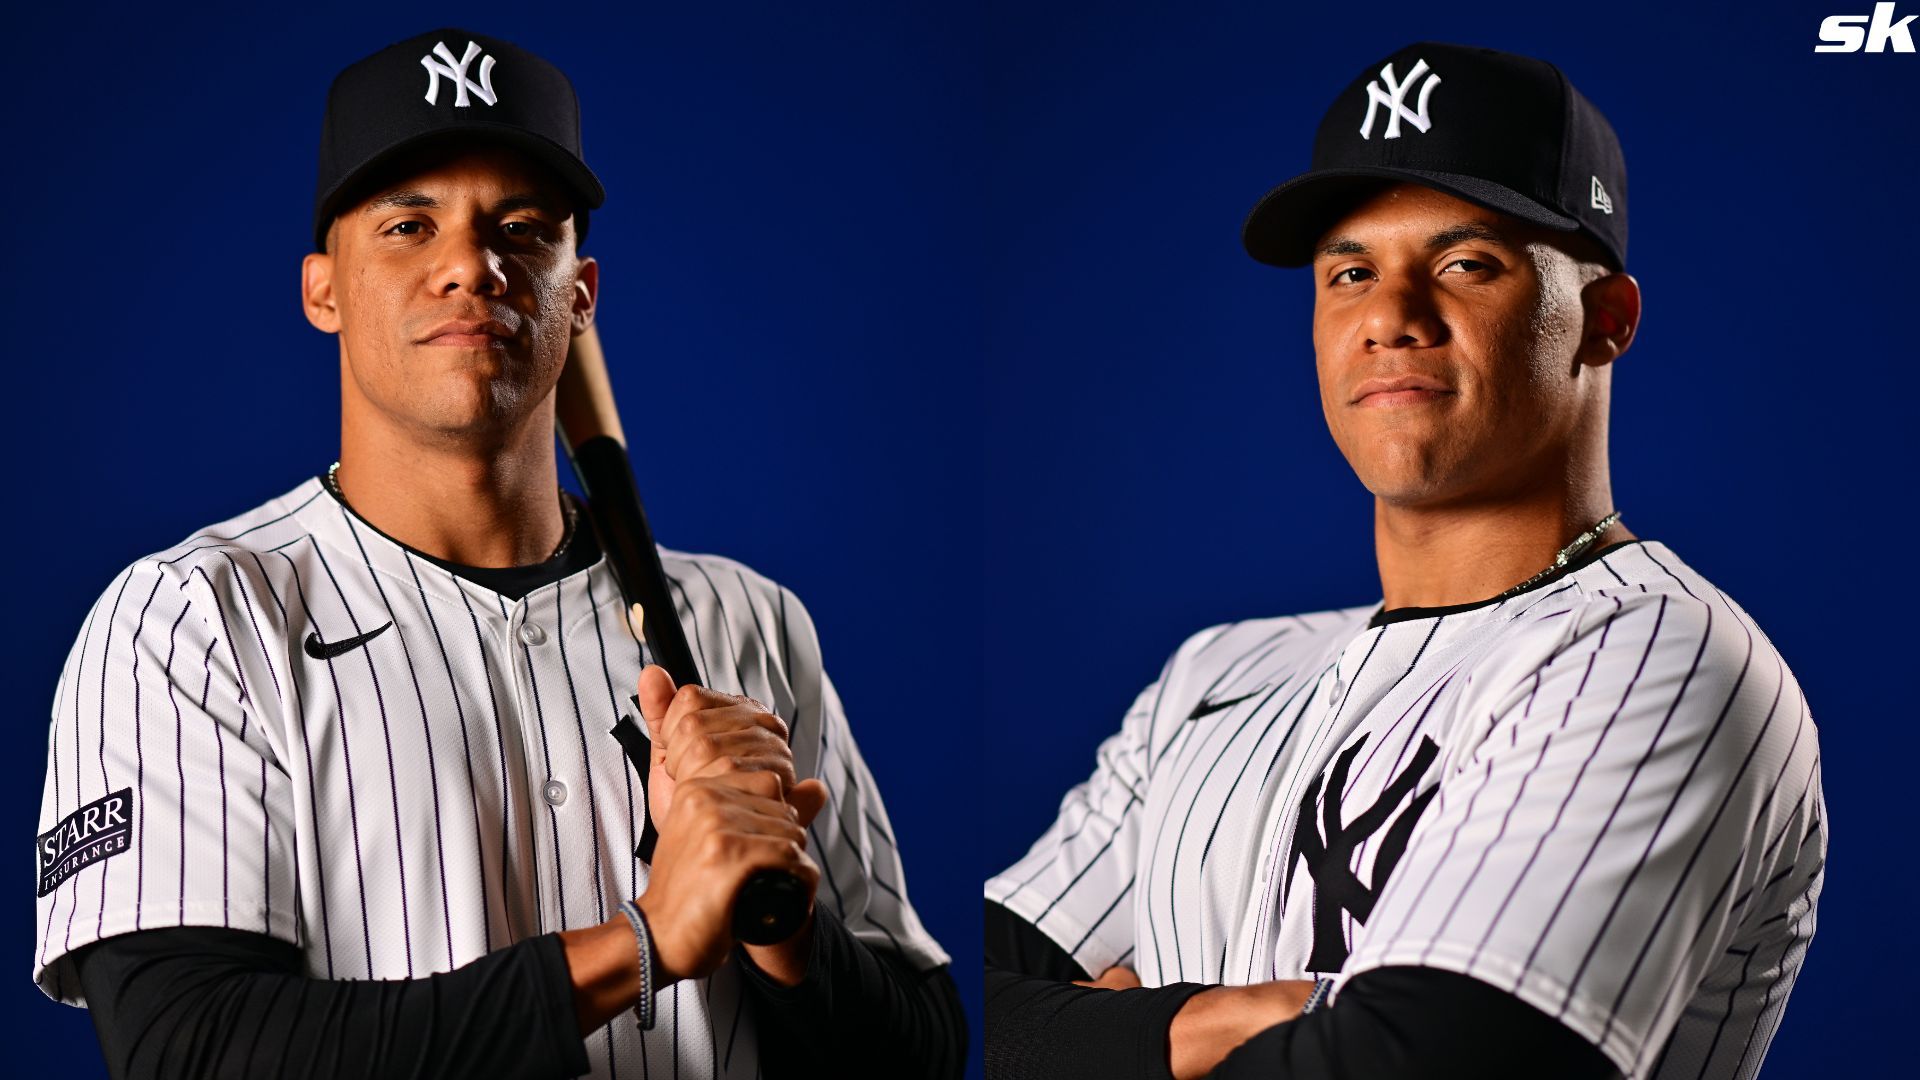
853 1010
1419 1024
1039 1027
1212 1023
204 1002
603 968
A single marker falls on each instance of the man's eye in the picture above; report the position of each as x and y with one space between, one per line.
522 230
1471 266
407 228
1342 277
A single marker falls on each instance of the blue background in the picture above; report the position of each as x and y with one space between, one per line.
1157 460
820 223
791 277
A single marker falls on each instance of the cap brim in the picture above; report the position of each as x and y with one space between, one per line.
572 172
1287 223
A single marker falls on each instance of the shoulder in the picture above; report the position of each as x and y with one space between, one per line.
1262 645
718 573
223 562
716 585
1647 633
1669 609
1233 660
738 609
265 528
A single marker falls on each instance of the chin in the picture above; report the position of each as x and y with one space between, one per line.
1402 479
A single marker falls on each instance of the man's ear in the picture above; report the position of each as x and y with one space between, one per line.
316 292
586 291
1612 306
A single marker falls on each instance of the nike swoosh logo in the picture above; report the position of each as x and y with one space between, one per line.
1206 708
320 650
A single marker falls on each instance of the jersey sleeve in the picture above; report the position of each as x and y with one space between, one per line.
853 840
164 803
1640 773
1076 883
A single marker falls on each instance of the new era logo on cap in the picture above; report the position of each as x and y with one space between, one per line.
1602 201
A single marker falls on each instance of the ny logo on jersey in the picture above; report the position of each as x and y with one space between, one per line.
1394 97
1330 859
456 71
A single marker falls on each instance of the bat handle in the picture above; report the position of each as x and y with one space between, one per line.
770 908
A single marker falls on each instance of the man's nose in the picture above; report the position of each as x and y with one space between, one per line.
1401 315
468 263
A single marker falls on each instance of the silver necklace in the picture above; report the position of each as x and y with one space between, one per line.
1567 554
566 504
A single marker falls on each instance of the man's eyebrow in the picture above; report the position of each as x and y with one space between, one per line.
408 199
1341 245
403 199
1465 231
526 202
1447 237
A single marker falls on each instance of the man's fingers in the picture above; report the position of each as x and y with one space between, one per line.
705 713
743 802
656 695
706 754
1116 977
808 798
760 783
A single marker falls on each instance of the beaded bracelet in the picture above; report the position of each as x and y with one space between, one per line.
643 938
1318 997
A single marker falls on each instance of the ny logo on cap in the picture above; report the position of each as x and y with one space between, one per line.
1394 98
456 70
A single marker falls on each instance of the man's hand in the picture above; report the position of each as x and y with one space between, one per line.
700 732
723 829
1213 1022
723 793
1117 977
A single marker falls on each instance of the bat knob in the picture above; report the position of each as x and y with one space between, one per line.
770 908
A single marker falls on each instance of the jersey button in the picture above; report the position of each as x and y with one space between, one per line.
532 634
555 791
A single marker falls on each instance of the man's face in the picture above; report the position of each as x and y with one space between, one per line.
1483 314
455 292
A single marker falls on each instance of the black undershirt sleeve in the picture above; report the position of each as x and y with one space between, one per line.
1421 1024
196 1001
860 1011
1040 1025
212 1002
1406 1022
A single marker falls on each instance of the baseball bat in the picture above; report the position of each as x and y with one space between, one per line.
772 904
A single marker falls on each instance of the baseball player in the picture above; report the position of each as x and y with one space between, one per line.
1552 806
330 786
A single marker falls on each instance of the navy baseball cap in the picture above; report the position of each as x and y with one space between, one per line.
448 83
1506 132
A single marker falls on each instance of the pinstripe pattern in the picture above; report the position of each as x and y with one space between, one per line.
383 809
1621 822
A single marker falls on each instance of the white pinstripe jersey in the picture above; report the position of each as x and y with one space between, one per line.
443 790
1602 795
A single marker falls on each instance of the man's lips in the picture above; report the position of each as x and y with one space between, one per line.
1402 390
469 334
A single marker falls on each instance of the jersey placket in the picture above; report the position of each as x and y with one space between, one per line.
541 796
